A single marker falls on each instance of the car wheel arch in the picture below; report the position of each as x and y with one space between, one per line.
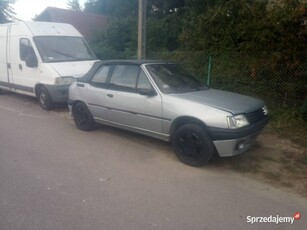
75 103
178 122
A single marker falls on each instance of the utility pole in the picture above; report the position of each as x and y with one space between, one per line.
142 29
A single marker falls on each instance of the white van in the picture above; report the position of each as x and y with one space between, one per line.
42 59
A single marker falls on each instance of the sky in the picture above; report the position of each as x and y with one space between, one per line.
27 9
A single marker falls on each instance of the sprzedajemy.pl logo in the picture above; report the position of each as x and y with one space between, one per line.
273 219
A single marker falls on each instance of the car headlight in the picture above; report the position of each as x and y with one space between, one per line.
64 80
265 110
237 121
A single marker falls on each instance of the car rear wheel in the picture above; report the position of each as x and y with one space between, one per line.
44 98
192 145
83 117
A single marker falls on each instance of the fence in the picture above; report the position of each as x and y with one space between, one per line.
277 80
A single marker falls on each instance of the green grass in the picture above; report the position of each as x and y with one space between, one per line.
289 123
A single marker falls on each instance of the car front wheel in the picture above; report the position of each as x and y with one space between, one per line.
192 145
83 117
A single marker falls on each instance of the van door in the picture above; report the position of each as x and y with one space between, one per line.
4 73
23 77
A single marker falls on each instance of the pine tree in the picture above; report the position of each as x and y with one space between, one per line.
74 5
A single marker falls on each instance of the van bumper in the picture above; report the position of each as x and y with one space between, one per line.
233 142
58 93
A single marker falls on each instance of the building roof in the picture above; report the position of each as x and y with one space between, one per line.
86 23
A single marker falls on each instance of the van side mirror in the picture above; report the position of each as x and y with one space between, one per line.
31 61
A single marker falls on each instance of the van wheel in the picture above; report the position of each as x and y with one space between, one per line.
83 117
192 145
44 99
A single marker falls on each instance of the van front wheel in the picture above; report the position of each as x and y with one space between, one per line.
44 99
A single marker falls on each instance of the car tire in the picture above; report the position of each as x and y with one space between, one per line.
83 117
44 99
192 145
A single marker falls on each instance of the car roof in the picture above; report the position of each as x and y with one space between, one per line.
132 61
88 76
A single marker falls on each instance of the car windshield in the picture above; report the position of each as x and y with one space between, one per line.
63 49
171 78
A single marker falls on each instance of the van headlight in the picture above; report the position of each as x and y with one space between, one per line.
64 80
237 121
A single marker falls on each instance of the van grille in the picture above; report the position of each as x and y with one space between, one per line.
255 116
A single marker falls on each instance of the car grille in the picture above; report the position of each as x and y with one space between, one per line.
255 116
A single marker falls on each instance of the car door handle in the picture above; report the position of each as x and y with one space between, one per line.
110 95
20 66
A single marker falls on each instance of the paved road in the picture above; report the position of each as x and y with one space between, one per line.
55 177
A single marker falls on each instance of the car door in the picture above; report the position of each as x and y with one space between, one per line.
127 107
95 93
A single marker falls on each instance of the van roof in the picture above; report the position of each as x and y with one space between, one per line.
52 28
48 28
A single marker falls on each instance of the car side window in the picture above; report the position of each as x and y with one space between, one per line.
25 48
143 82
124 78
100 77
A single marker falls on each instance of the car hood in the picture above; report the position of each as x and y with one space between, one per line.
72 69
231 102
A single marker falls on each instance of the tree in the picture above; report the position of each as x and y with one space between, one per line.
74 5
113 8
229 24
286 24
120 39
246 25
6 11
213 25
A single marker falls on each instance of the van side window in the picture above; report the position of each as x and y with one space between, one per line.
25 48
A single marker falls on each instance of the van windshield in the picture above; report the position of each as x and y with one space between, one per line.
63 49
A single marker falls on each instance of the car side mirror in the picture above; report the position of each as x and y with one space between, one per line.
31 61
147 92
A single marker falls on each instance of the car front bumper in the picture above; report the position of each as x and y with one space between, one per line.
233 142
228 148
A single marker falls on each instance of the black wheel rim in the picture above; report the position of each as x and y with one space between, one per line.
190 146
81 116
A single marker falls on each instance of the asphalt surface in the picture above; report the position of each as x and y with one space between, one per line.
54 176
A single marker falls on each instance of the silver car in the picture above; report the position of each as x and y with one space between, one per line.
161 100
